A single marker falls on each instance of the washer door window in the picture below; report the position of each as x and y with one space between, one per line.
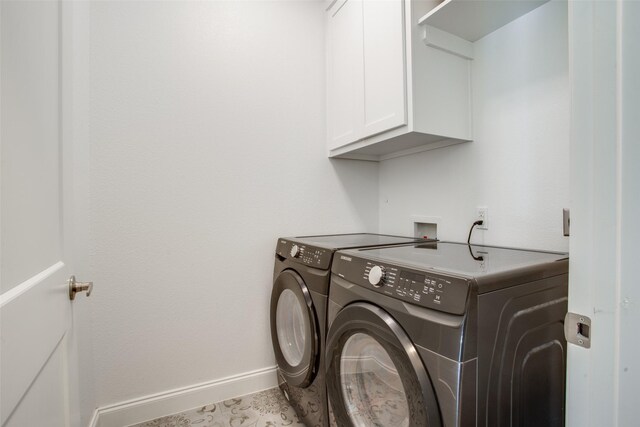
375 376
294 329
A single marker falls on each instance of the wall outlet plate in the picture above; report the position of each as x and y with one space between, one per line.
483 214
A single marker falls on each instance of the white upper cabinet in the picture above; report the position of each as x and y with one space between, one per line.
345 73
384 76
389 93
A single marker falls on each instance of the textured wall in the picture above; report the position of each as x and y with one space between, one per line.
207 142
518 164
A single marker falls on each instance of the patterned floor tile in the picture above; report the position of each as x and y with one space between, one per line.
267 408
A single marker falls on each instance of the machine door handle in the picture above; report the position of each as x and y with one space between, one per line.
75 287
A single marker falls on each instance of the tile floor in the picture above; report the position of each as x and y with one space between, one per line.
267 408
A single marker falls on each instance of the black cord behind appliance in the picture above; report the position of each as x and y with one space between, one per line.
477 258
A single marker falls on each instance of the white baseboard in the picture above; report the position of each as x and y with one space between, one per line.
170 402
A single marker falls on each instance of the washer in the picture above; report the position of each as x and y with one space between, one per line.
447 334
298 315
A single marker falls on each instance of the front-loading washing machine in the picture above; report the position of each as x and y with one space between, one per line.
298 314
447 334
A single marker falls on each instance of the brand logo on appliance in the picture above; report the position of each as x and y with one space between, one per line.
346 258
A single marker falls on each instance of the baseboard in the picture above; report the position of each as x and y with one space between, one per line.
173 401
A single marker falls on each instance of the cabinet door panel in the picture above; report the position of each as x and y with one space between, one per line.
384 66
345 97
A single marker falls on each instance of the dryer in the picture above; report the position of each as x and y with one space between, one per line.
298 314
447 334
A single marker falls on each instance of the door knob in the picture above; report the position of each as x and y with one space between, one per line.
75 287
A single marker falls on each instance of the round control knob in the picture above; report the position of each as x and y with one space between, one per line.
376 275
295 251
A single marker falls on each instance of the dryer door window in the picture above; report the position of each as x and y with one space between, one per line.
375 376
291 324
294 329
371 387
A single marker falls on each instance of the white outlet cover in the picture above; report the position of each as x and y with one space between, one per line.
483 214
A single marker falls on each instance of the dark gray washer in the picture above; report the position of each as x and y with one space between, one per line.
499 361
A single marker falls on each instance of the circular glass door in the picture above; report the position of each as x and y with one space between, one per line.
371 386
375 377
291 324
294 329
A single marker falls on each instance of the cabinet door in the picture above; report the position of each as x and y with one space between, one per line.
385 101
345 88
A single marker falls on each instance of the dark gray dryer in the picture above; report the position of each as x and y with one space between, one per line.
298 314
447 334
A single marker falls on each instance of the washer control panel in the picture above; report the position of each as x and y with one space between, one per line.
426 289
305 254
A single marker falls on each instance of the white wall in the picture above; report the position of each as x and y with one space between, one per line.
518 164
207 142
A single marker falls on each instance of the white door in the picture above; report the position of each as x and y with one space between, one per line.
385 101
38 384
604 380
345 73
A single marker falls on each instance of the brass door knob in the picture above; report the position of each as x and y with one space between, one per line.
75 287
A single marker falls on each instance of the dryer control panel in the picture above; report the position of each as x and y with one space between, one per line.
304 254
426 289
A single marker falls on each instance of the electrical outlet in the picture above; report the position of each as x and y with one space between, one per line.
483 214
